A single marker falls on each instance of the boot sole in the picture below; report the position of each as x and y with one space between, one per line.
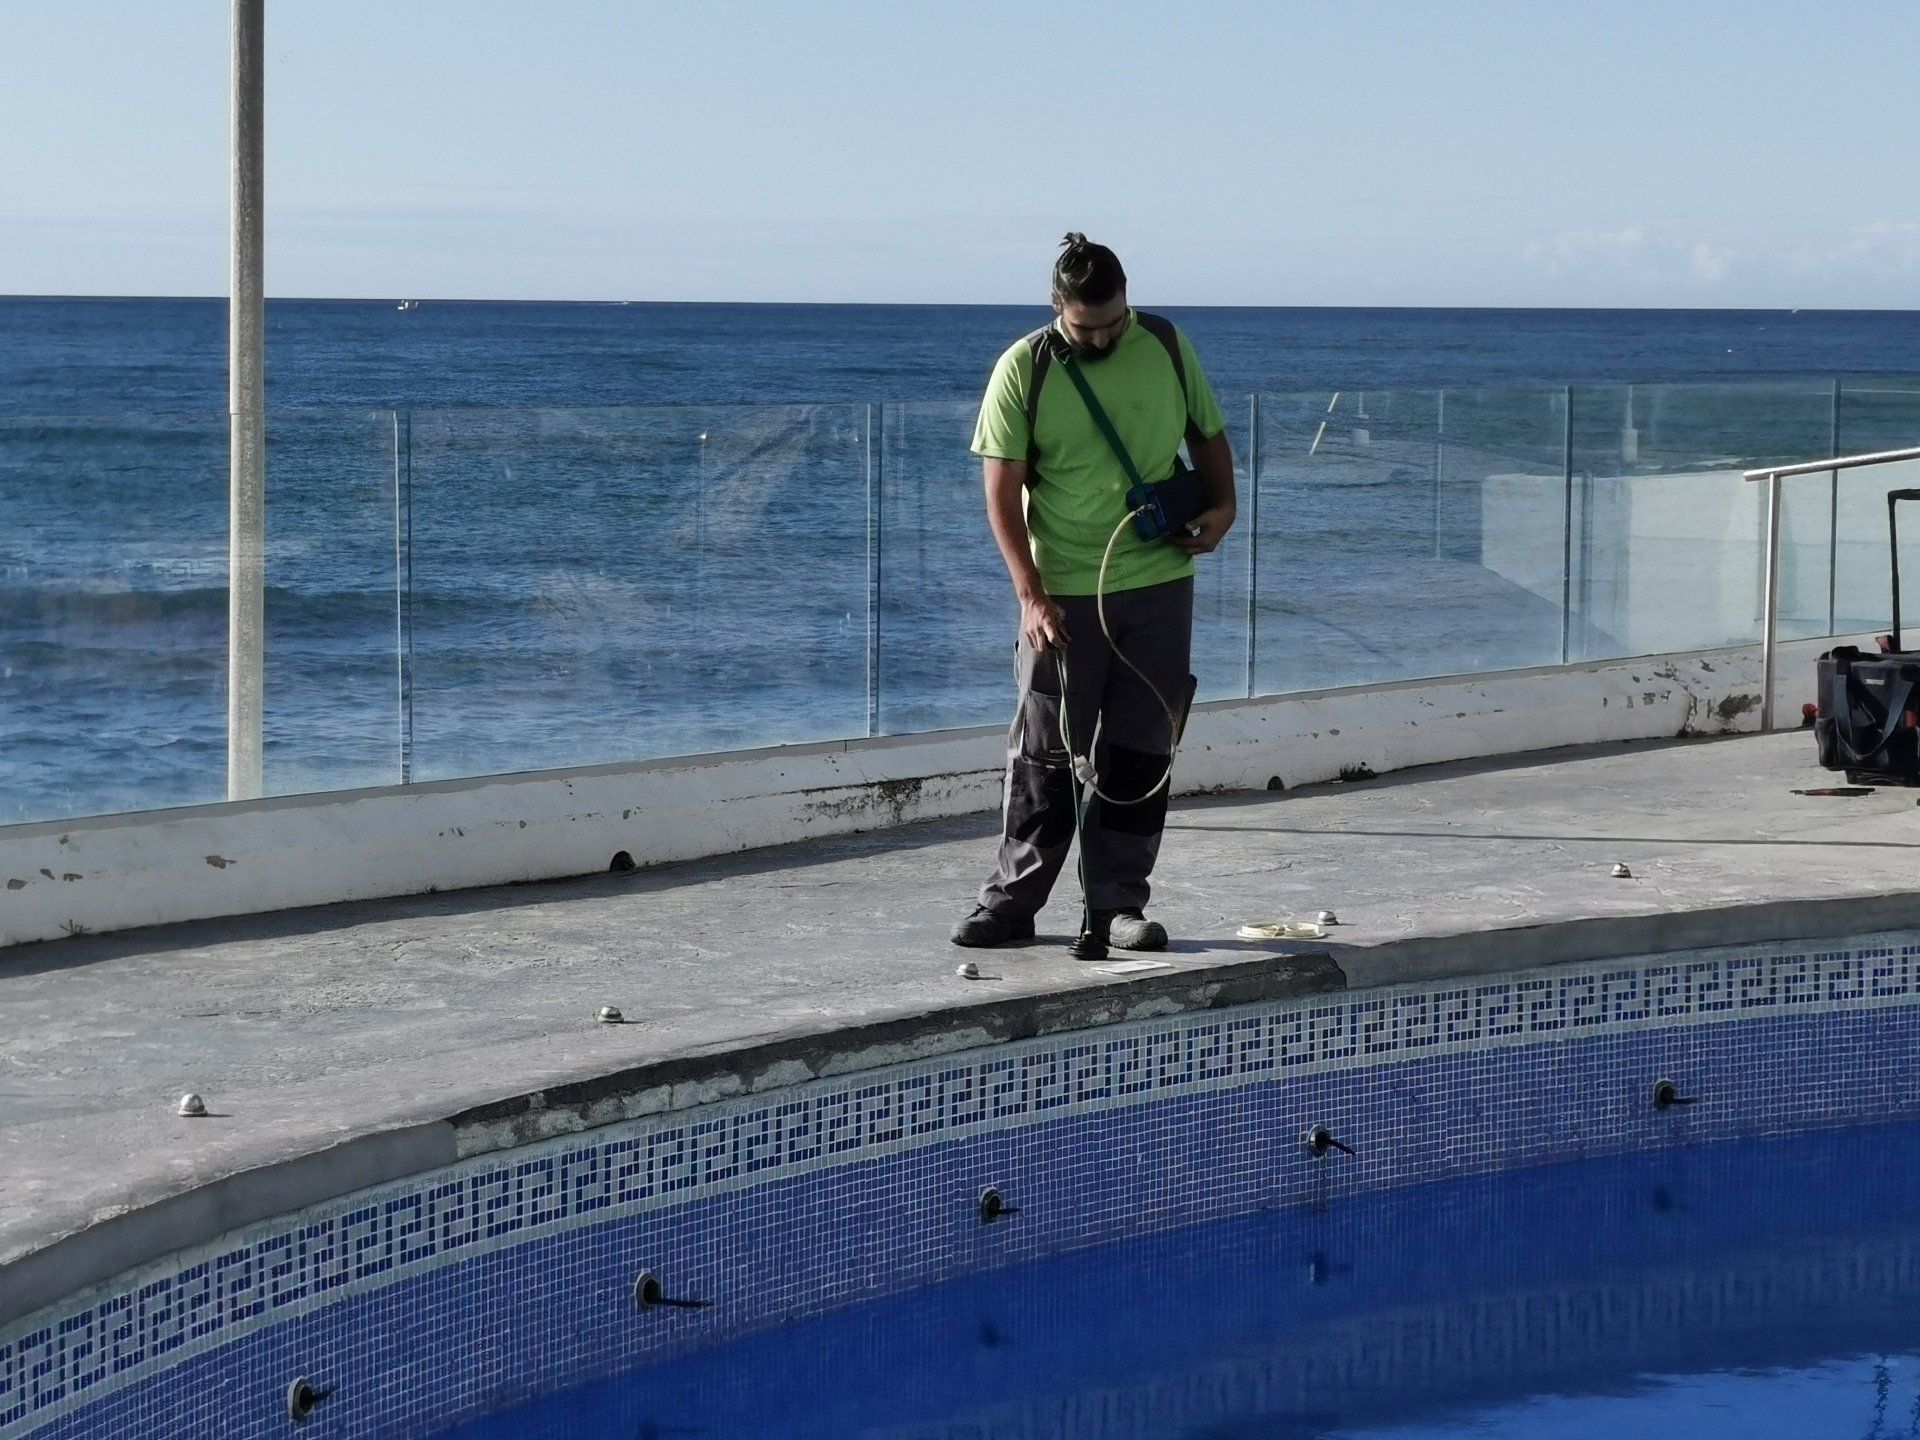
1017 933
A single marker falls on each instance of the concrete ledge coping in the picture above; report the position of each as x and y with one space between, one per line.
141 1236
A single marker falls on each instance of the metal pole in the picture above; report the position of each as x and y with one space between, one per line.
246 404
1566 524
1833 522
403 578
874 573
1772 617
1253 541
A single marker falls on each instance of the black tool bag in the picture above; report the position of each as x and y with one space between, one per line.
1868 713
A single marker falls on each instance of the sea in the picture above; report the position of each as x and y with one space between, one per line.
512 536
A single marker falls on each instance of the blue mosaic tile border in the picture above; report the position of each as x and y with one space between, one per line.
274 1273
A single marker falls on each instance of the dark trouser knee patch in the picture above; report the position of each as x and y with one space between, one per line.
1042 810
1130 773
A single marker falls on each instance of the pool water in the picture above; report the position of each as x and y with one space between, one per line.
1756 1289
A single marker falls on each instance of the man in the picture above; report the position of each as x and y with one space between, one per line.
1055 492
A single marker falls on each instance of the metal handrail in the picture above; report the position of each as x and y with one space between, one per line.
1773 475
1839 462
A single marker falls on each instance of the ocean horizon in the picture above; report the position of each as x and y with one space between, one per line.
98 355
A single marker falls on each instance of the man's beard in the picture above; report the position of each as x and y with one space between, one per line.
1085 353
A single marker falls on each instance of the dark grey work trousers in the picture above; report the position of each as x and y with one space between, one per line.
1113 715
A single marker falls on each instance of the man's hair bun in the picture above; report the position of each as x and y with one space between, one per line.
1087 273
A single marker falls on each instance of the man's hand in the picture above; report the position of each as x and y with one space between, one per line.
1042 625
1208 530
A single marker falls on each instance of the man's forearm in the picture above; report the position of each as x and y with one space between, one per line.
1006 515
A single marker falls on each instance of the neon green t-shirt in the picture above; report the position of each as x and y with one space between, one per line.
1081 491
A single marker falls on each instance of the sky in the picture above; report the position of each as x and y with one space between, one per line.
1341 152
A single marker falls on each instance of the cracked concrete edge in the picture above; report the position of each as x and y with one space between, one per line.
136 1238
114 1245
1611 937
142 1236
700 1077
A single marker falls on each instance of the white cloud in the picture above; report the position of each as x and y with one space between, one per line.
1574 252
1628 253
1705 262
1885 249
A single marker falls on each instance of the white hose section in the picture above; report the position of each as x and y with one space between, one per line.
1083 764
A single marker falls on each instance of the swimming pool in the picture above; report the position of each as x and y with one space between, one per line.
1751 1288
1163 1220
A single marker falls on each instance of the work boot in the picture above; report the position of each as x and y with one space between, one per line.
986 927
1130 930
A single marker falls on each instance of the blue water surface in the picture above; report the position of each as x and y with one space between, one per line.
1765 1290
62 356
507 537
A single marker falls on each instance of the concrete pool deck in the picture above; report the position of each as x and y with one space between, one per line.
345 1045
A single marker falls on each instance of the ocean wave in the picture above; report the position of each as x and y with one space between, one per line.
37 608
115 429
111 605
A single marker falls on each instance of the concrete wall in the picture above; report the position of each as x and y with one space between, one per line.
117 872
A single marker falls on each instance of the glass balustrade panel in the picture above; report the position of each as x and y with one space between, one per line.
1876 416
333 698
1406 535
113 613
593 586
1669 541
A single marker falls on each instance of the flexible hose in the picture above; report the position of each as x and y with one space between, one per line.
1089 945
1173 721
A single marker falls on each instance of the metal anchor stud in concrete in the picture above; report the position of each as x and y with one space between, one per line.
1666 1095
191 1106
610 1015
993 1206
649 1294
1621 872
1320 1142
302 1397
